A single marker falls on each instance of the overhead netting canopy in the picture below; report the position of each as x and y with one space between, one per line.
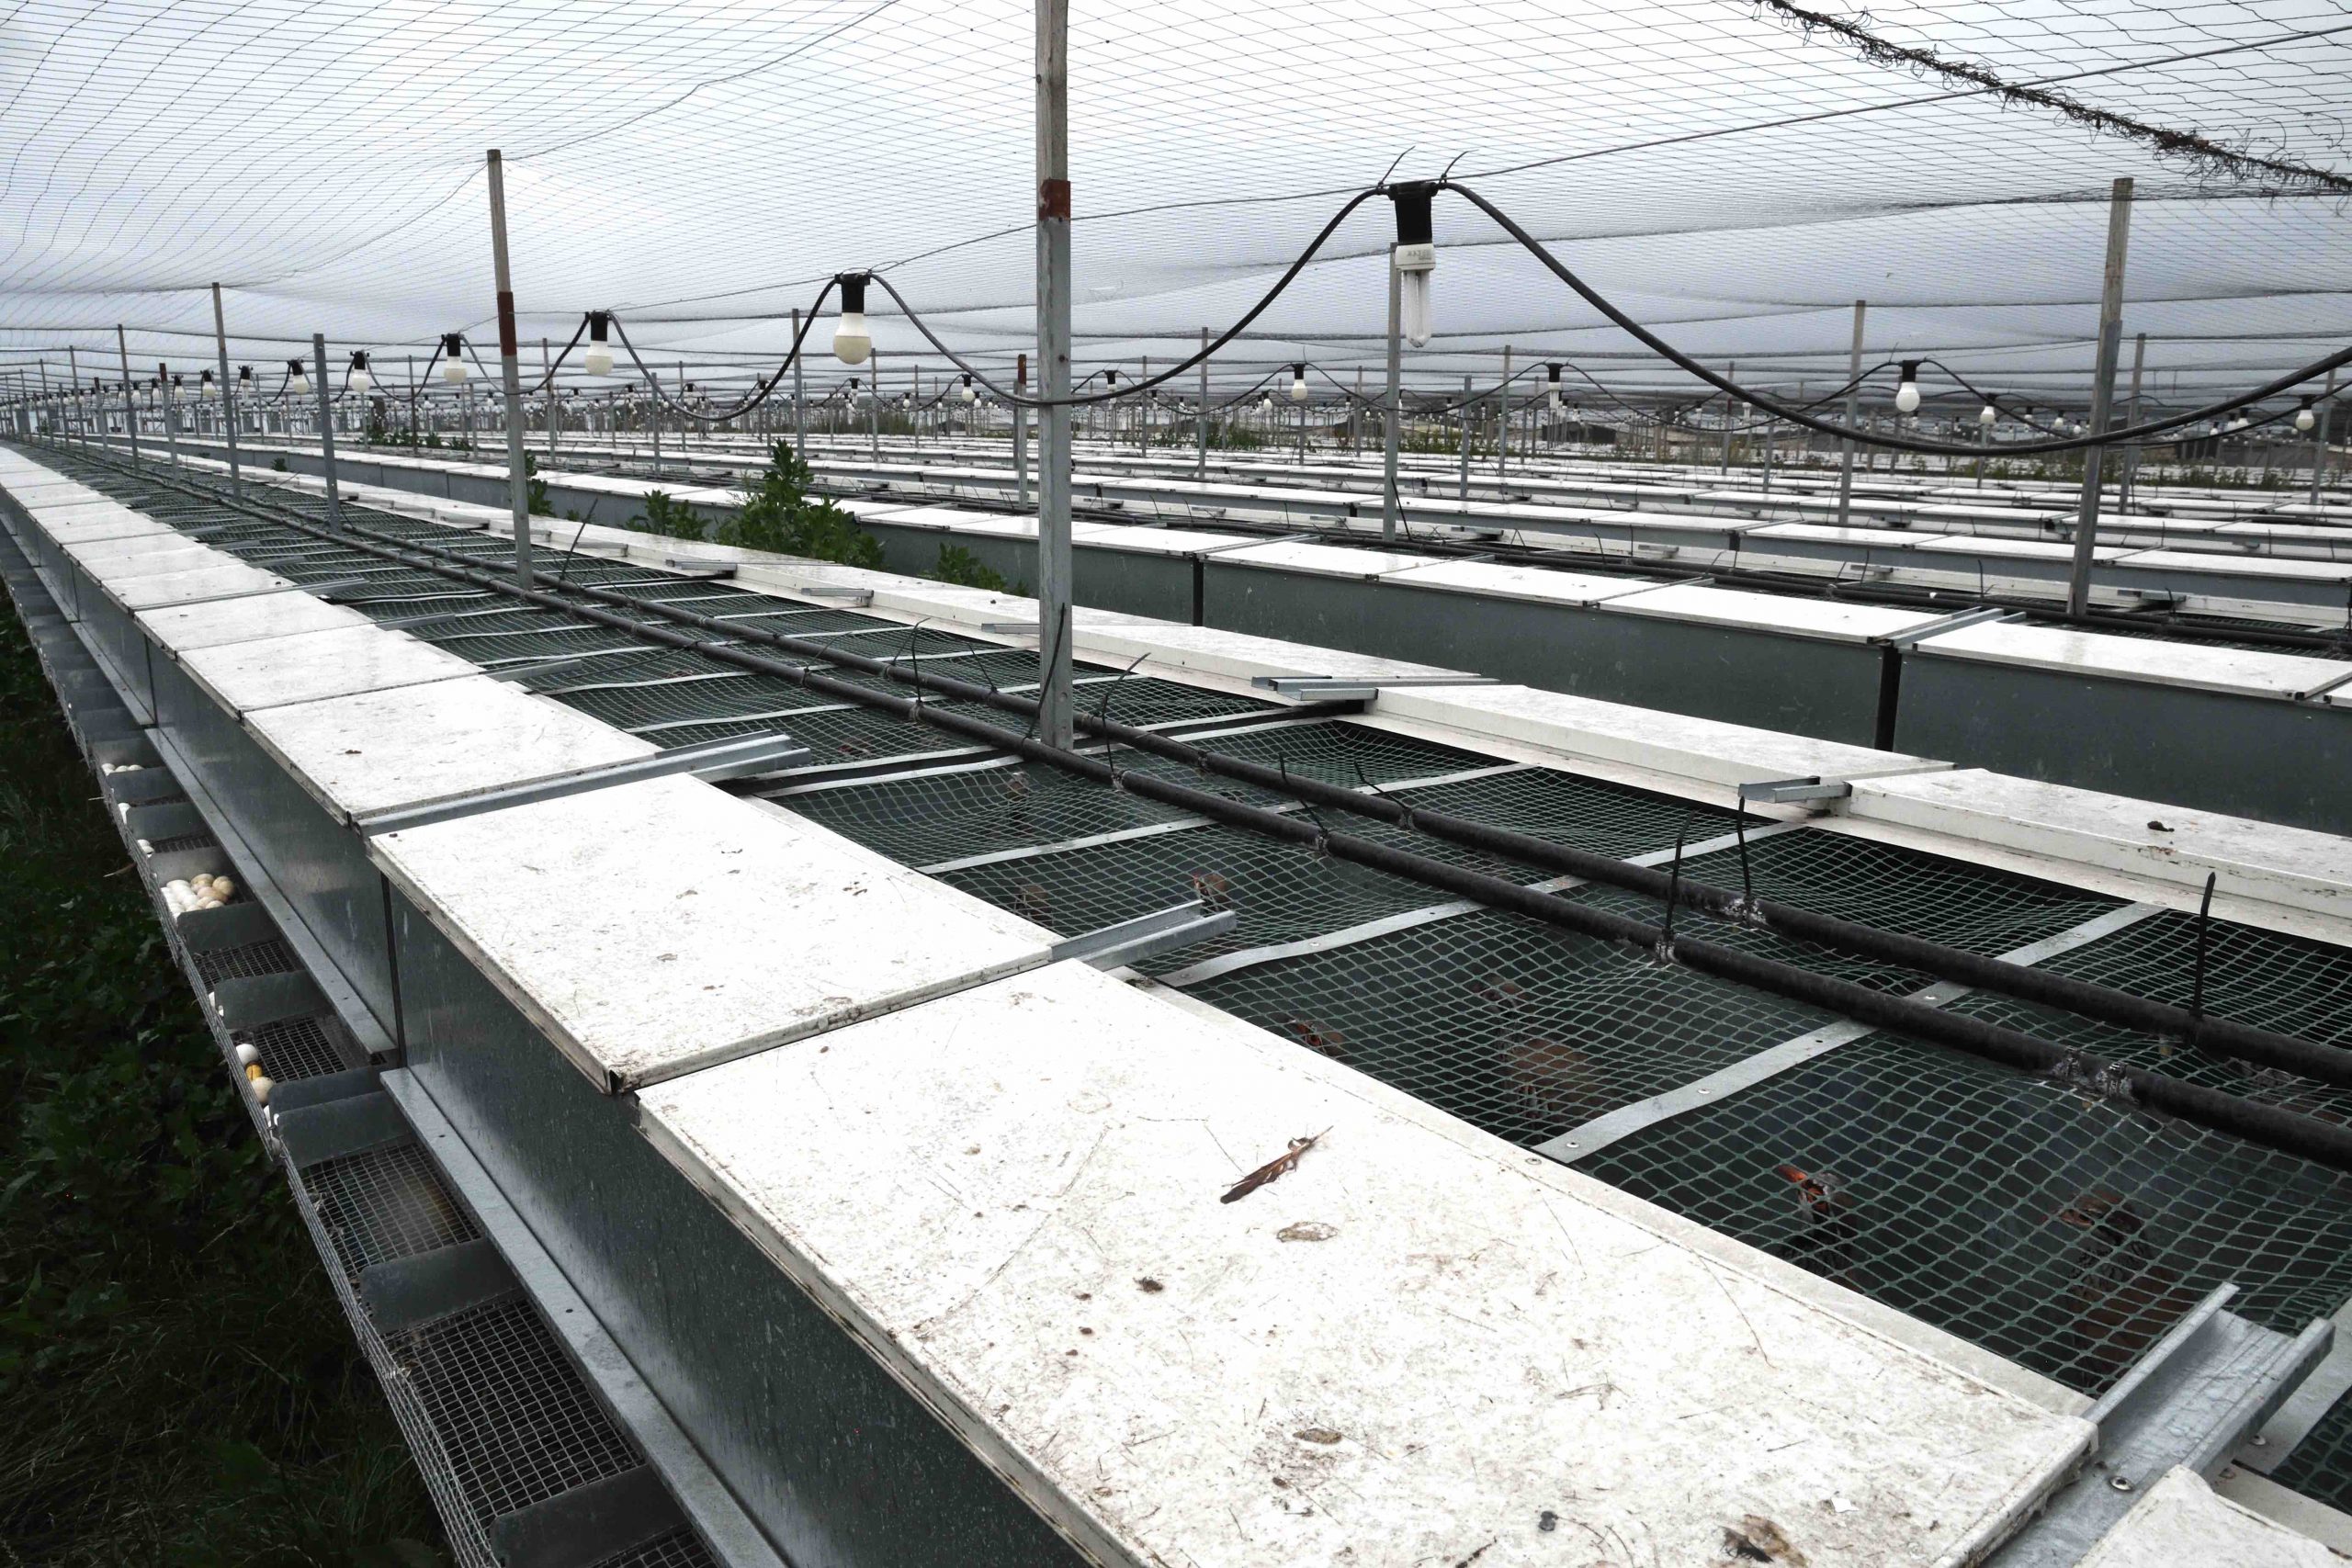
1734 174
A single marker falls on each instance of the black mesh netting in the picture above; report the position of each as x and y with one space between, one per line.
2065 1232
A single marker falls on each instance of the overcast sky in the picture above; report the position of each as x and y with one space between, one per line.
702 168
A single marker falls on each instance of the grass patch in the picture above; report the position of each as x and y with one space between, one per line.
180 1384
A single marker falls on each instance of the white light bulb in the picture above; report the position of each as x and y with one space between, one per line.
598 360
2238 423
1555 402
2305 419
1267 406
212 389
851 341
1987 414
361 380
971 394
1414 263
453 370
1297 389
1906 397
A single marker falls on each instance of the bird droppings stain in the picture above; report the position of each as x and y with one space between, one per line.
1323 1435
1758 1539
1150 1286
1086 1295
1547 1521
1086 1331
1307 1230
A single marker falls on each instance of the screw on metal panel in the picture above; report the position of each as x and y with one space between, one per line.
2120 1483
2259 1441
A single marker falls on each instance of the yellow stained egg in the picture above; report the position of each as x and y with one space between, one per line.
253 1072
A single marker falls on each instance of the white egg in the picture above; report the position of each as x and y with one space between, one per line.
261 1090
208 902
246 1054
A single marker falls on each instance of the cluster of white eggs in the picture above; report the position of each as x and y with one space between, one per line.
120 767
202 891
249 1058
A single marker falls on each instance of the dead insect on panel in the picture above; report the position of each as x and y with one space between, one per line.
1273 1170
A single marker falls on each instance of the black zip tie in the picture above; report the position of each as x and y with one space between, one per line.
914 659
2197 976
1050 646
1102 712
1384 794
1739 831
1322 833
1673 890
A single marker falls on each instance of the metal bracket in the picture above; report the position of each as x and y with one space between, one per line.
1952 623
334 589
2190 1401
340 1128
1164 931
591 1523
1345 688
713 759
403 1292
1010 628
855 598
1791 792
686 566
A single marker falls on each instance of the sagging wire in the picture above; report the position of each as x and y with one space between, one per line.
1102 717
1298 264
1659 345
765 389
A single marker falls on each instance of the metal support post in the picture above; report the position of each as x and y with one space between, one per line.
1392 406
1461 488
2130 476
2319 437
518 480
1021 431
874 405
129 413
799 393
1853 415
227 393
1731 409
1053 347
326 431
1200 424
171 432
2110 334
1502 419
547 393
